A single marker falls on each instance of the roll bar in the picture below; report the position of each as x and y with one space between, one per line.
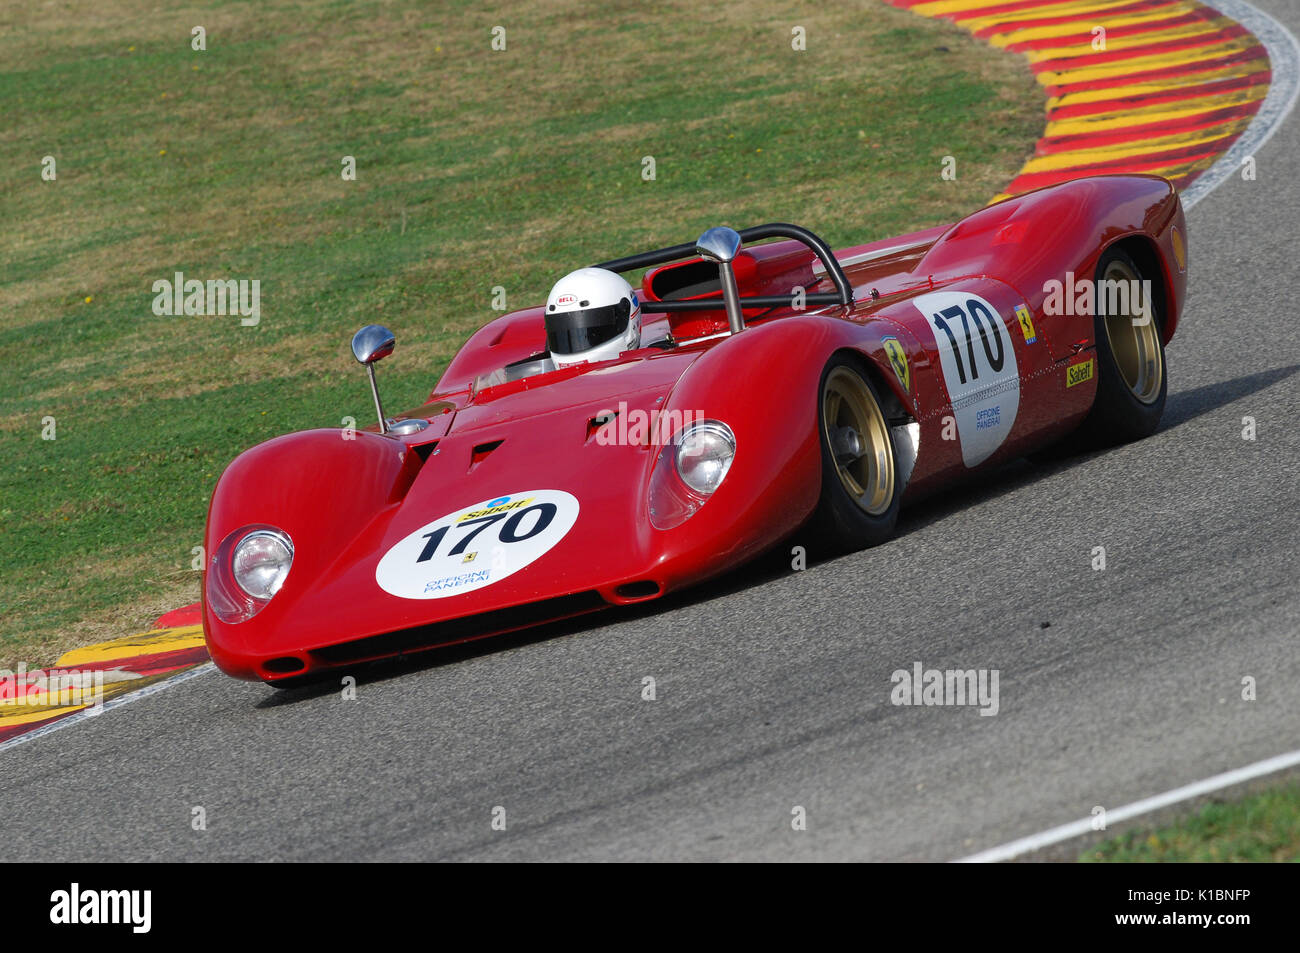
843 294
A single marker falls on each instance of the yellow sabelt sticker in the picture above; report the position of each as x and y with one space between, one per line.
898 361
1078 373
1026 324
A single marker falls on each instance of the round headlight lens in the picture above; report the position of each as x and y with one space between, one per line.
261 561
704 454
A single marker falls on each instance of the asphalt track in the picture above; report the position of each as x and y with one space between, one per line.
773 689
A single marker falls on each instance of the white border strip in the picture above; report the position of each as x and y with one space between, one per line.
97 710
1084 825
1284 58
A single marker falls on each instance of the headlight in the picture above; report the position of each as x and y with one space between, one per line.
248 568
704 454
261 561
688 469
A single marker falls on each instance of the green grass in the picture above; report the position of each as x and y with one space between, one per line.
508 168
1260 827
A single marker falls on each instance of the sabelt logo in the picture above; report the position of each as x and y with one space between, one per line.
1078 373
504 505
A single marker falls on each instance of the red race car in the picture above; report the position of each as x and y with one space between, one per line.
617 443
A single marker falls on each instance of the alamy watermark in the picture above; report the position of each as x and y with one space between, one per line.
53 688
1083 297
946 687
637 427
190 296
76 905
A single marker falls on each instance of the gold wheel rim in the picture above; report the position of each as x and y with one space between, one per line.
1134 337
858 437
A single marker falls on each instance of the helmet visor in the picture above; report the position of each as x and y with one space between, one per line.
572 332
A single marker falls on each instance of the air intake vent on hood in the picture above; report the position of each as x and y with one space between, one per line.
480 452
600 420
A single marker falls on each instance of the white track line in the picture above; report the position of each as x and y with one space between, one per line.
1284 58
112 703
1084 825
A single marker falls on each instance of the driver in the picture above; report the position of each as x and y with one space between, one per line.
591 315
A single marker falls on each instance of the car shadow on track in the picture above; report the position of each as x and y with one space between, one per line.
1189 404
1181 408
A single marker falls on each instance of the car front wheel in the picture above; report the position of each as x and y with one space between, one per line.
861 487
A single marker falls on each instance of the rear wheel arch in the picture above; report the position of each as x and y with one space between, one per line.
1151 264
1132 378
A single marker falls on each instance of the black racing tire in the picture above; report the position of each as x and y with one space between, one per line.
845 520
1132 384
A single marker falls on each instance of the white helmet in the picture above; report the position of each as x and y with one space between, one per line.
591 315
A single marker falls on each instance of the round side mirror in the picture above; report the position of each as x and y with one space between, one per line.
720 244
372 343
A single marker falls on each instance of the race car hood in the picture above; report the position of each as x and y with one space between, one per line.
531 492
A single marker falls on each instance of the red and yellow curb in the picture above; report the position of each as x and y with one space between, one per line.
1158 86
89 676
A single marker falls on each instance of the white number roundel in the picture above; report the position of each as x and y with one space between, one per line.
978 361
477 546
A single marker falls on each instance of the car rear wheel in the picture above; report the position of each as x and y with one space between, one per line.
861 487
1131 380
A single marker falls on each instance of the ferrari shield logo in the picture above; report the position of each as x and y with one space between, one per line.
898 360
1026 324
